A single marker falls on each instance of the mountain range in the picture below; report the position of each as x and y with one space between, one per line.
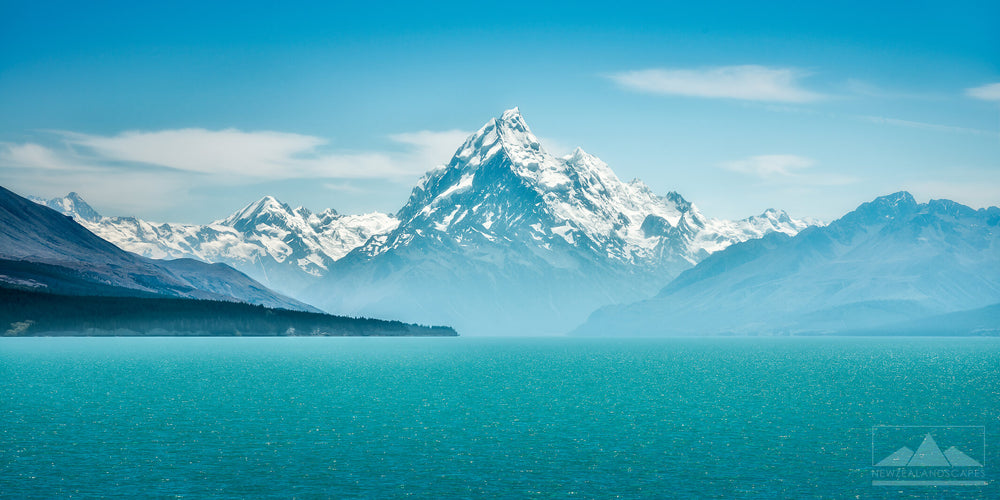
891 266
507 238
44 250
58 278
504 239
283 247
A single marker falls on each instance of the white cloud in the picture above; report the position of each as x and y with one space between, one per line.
273 155
428 148
866 89
130 192
555 146
925 126
35 156
766 166
260 154
143 171
786 169
988 92
881 120
748 82
344 187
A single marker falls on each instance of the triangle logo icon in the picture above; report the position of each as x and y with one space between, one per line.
928 454
959 459
898 459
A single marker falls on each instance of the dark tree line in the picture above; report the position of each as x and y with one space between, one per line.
32 313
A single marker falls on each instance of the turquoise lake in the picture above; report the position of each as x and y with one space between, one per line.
482 417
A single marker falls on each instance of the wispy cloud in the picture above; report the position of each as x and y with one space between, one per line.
555 146
988 92
144 170
49 173
867 89
344 187
265 154
925 126
767 166
880 120
785 169
748 82
35 156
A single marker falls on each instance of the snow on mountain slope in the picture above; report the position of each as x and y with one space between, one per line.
268 240
509 238
42 248
577 198
504 238
299 238
889 261
71 204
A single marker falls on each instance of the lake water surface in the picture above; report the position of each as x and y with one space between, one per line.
473 417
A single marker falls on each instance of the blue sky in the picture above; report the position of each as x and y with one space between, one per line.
185 112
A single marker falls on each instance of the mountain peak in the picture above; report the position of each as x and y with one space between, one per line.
245 217
889 206
512 115
776 215
578 155
897 199
950 207
81 208
516 136
72 205
682 204
509 133
268 203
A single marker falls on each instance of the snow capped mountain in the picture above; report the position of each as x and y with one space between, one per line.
513 239
890 261
270 241
505 238
501 185
42 249
309 241
71 204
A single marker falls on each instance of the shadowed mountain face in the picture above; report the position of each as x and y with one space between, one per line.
508 239
883 265
43 249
